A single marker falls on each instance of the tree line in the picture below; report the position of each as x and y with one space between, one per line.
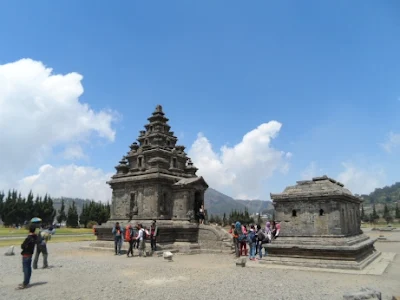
18 210
93 213
234 216
389 214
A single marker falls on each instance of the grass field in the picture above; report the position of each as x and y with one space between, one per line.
59 231
54 239
368 225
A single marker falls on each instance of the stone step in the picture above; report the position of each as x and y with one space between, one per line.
193 250
109 249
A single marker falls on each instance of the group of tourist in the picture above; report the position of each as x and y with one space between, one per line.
253 236
136 236
32 241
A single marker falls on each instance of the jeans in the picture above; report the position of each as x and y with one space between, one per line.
40 249
27 268
117 244
153 243
237 247
252 247
131 246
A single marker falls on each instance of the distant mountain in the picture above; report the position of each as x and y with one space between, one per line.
217 203
387 194
68 201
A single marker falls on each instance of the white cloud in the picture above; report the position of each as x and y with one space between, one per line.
68 181
73 152
361 180
40 111
392 141
244 167
311 171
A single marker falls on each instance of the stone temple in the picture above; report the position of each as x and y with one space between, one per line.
320 227
156 180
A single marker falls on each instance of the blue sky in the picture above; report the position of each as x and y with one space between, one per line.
329 72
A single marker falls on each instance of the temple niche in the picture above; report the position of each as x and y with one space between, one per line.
156 180
320 227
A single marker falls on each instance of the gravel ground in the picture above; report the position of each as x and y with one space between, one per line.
76 274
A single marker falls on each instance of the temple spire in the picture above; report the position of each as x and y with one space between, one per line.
157 133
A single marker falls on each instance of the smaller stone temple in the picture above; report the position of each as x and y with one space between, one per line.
320 227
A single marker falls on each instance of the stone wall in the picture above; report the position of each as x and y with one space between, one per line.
214 238
181 206
313 218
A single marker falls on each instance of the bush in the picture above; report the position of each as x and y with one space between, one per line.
90 224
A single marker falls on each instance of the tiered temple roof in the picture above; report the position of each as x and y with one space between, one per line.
156 151
317 187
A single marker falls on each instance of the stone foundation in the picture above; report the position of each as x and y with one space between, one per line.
174 236
354 252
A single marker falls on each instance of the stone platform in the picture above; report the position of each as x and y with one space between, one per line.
174 236
377 267
354 252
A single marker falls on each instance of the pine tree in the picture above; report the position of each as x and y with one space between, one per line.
29 207
362 212
61 213
84 218
375 216
386 214
224 221
385 211
72 216
1 204
397 212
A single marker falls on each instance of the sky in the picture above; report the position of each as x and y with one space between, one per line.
262 93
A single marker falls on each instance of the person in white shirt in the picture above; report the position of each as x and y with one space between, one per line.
141 238
201 214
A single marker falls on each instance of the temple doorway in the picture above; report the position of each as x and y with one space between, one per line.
198 202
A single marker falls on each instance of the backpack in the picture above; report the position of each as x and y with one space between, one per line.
251 238
261 235
242 237
144 234
128 233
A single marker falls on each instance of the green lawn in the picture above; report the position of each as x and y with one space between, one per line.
59 231
368 225
54 239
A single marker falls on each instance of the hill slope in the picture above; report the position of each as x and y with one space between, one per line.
387 194
217 203
68 201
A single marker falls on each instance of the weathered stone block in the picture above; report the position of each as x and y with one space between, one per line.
241 262
10 251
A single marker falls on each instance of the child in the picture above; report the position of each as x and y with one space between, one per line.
28 247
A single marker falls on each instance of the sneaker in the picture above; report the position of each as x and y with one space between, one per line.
22 286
